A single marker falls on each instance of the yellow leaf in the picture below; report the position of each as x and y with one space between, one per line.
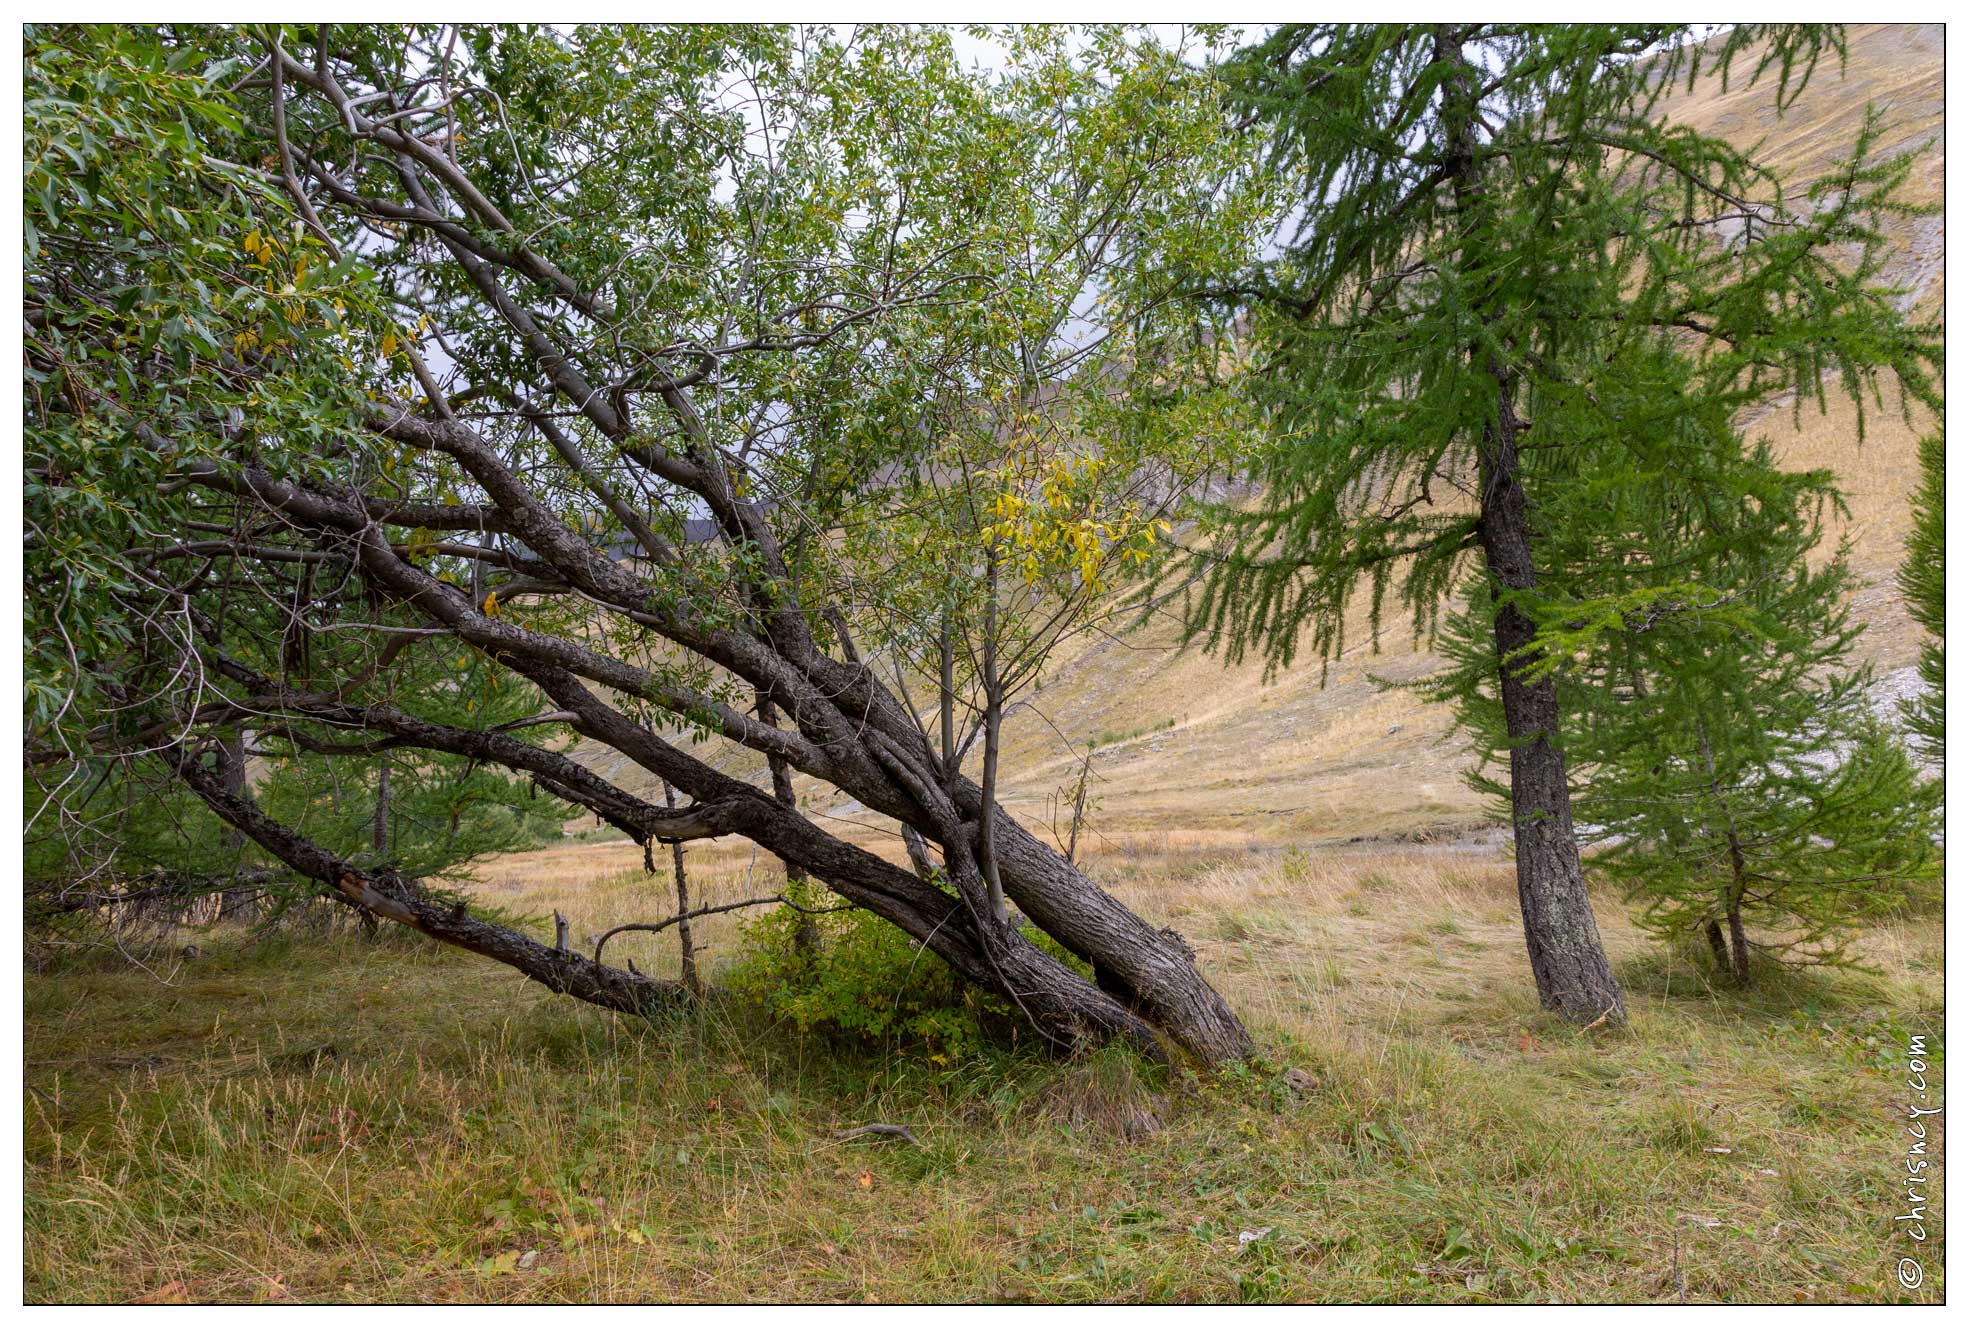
491 605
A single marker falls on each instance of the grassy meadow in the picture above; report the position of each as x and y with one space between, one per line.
338 1118
345 1119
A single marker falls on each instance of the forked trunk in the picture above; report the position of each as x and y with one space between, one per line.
1153 970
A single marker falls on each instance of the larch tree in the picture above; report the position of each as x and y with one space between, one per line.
619 362
1721 741
1924 580
1482 219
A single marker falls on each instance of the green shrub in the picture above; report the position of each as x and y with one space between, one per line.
865 980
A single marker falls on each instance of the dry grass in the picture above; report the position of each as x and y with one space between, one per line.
355 1121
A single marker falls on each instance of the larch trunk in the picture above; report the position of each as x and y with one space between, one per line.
1568 961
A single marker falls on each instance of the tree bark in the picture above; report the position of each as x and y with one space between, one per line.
237 904
806 937
1568 961
389 896
687 962
1719 950
994 716
1733 894
380 832
1152 969
1739 948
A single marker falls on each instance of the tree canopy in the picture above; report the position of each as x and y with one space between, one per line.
700 383
1495 224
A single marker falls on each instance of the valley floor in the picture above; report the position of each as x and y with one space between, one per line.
353 1120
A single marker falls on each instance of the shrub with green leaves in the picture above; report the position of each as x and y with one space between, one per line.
1924 581
860 980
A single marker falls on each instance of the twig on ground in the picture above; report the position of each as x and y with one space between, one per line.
878 1128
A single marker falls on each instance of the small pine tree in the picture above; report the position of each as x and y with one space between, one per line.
1922 581
1722 745
104 821
1800 830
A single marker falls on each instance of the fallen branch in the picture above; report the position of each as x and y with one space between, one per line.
143 889
386 893
675 919
881 1128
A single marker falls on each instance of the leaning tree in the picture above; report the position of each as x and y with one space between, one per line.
1488 220
712 385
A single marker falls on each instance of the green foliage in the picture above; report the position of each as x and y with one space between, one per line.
1720 741
136 821
930 319
1923 579
170 296
441 814
1488 221
117 817
864 981
1517 311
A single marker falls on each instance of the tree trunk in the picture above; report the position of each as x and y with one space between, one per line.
1719 950
387 895
380 831
1739 948
994 700
237 904
1568 961
1733 896
1079 804
687 964
1153 970
806 937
